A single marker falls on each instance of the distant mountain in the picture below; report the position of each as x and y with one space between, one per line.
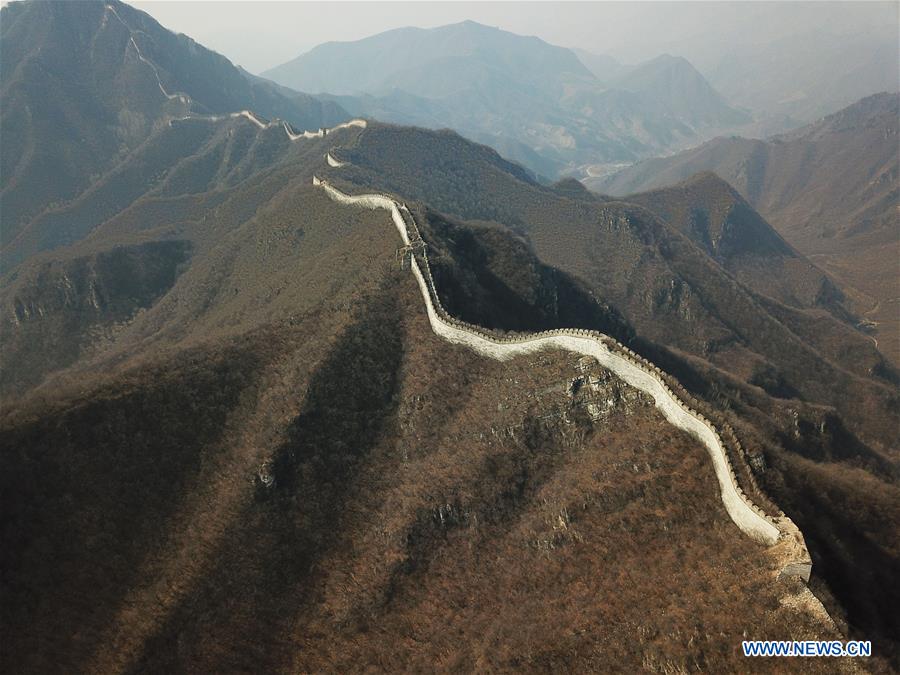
831 190
432 63
807 76
536 103
788 61
710 212
713 214
682 90
605 68
84 83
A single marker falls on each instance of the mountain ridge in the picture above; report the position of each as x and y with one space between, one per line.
139 74
536 103
430 44
613 355
830 189
233 440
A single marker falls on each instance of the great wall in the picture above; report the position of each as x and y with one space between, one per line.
778 532
276 124
247 114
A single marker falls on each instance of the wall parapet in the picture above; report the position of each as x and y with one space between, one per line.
676 405
263 124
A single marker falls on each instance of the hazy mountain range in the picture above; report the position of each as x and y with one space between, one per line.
800 61
830 188
231 441
807 76
560 111
535 103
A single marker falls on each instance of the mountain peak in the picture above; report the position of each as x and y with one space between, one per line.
711 212
709 181
675 81
671 59
469 23
422 60
858 115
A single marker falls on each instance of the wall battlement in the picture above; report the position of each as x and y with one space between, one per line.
778 532
277 124
186 99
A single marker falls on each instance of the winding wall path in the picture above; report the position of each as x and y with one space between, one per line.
778 531
278 124
186 99
622 361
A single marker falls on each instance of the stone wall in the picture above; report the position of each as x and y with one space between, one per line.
276 124
778 531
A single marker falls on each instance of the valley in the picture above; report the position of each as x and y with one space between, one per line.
800 183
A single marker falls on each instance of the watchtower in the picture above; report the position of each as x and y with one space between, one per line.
405 252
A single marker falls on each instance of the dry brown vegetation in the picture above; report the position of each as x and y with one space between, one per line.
795 380
77 100
429 509
326 485
829 188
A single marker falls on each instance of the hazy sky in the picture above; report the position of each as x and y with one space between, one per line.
260 35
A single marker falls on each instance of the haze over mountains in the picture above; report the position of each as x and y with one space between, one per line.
830 188
535 103
809 75
799 61
231 441
559 120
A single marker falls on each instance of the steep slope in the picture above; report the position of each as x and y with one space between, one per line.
710 212
84 83
830 189
248 450
534 102
820 397
225 458
675 294
62 305
222 459
296 550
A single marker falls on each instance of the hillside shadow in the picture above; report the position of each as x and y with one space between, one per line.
267 571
